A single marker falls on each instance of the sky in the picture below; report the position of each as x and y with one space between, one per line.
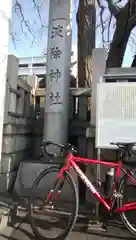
25 44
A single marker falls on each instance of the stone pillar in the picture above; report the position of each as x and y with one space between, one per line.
7 100
5 16
98 70
27 112
58 71
81 144
12 79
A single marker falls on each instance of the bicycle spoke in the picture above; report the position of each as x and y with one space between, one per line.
52 213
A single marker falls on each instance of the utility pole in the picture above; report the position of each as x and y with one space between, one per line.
5 17
58 71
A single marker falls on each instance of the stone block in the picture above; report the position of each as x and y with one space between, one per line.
12 129
12 71
12 102
10 162
36 146
82 108
14 143
28 172
7 181
98 66
38 130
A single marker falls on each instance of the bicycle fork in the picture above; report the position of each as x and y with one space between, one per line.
54 193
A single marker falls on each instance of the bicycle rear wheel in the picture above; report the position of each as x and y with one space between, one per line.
60 211
127 190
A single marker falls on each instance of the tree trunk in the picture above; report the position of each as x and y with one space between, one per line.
134 62
118 45
86 17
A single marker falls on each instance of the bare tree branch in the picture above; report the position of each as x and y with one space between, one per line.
132 18
13 38
23 21
112 8
123 19
28 30
101 19
109 23
104 22
38 11
134 61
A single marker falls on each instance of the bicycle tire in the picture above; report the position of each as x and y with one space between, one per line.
123 216
75 207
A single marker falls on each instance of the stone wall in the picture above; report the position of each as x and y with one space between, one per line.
23 130
29 170
17 129
39 118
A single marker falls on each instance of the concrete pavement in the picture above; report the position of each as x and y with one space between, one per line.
23 232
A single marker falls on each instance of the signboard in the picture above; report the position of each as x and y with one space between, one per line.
56 65
115 113
98 66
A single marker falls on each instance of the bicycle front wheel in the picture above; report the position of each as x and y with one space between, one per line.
127 190
53 218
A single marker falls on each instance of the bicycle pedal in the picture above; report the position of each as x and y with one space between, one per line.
104 225
96 227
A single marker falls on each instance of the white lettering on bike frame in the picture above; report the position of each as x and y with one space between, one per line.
84 178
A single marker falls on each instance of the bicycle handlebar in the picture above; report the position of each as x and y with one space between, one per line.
126 147
45 145
48 143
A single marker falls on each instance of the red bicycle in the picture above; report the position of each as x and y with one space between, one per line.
58 175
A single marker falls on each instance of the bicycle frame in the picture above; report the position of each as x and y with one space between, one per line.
72 161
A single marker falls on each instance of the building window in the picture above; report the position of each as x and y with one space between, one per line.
23 65
38 64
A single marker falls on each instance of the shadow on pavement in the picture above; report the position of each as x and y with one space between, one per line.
24 232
